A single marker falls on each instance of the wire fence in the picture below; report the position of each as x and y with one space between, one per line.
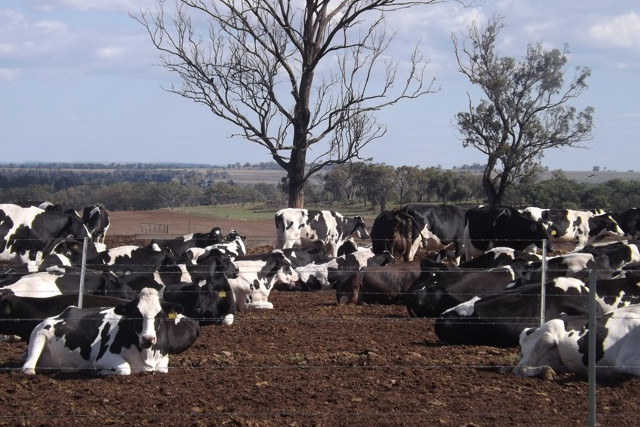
321 364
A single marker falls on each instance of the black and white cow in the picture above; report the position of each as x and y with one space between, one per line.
629 221
257 275
319 275
562 344
501 256
442 228
137 266
207 296
179 245
208 302
301 227
490 226
67 281
439 288
619 253
497 320
20 315
96 218
137 336
233 246
570 229
27 234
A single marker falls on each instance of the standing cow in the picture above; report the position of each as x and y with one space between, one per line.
490 226
302 227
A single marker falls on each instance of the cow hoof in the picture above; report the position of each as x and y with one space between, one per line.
28 371
548 374
228 319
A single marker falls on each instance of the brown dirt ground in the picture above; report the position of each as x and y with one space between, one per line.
309 362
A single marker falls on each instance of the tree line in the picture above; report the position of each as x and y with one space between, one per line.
372 185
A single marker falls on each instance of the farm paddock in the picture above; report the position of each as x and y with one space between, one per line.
310 362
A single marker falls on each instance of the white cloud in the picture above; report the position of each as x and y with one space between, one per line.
622 31
7 74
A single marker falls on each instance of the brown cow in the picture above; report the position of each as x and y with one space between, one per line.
397 232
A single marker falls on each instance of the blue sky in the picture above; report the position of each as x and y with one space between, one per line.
79 81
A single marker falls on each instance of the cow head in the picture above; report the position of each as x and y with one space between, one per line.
348 290
604 225
209 302
279 267
145 313
360 228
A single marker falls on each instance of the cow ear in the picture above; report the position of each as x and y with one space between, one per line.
5 307
172 310
120 309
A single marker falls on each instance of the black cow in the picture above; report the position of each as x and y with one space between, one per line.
441 227
439 287
27 234
490 226
629 221
497 320
20 315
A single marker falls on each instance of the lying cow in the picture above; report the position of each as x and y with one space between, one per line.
28 234
257 275
302 227
20 315
497 320
570 229
563 343
380 284
129 338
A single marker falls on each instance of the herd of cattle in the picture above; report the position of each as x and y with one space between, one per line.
481 274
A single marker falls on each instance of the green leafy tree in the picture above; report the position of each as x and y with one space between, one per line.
300 79
525 111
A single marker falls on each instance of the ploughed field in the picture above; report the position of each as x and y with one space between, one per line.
310 362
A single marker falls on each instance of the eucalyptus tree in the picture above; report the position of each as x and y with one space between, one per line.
525 111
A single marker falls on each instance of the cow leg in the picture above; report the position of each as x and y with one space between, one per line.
113 364
37 344
260 305
539 350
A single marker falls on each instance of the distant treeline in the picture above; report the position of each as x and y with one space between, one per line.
378 186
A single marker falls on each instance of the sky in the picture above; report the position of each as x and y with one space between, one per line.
81 82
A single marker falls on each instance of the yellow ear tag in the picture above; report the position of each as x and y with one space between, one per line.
222 294
554 232
7 309
172 315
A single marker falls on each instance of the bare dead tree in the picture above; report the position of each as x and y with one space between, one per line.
299 78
